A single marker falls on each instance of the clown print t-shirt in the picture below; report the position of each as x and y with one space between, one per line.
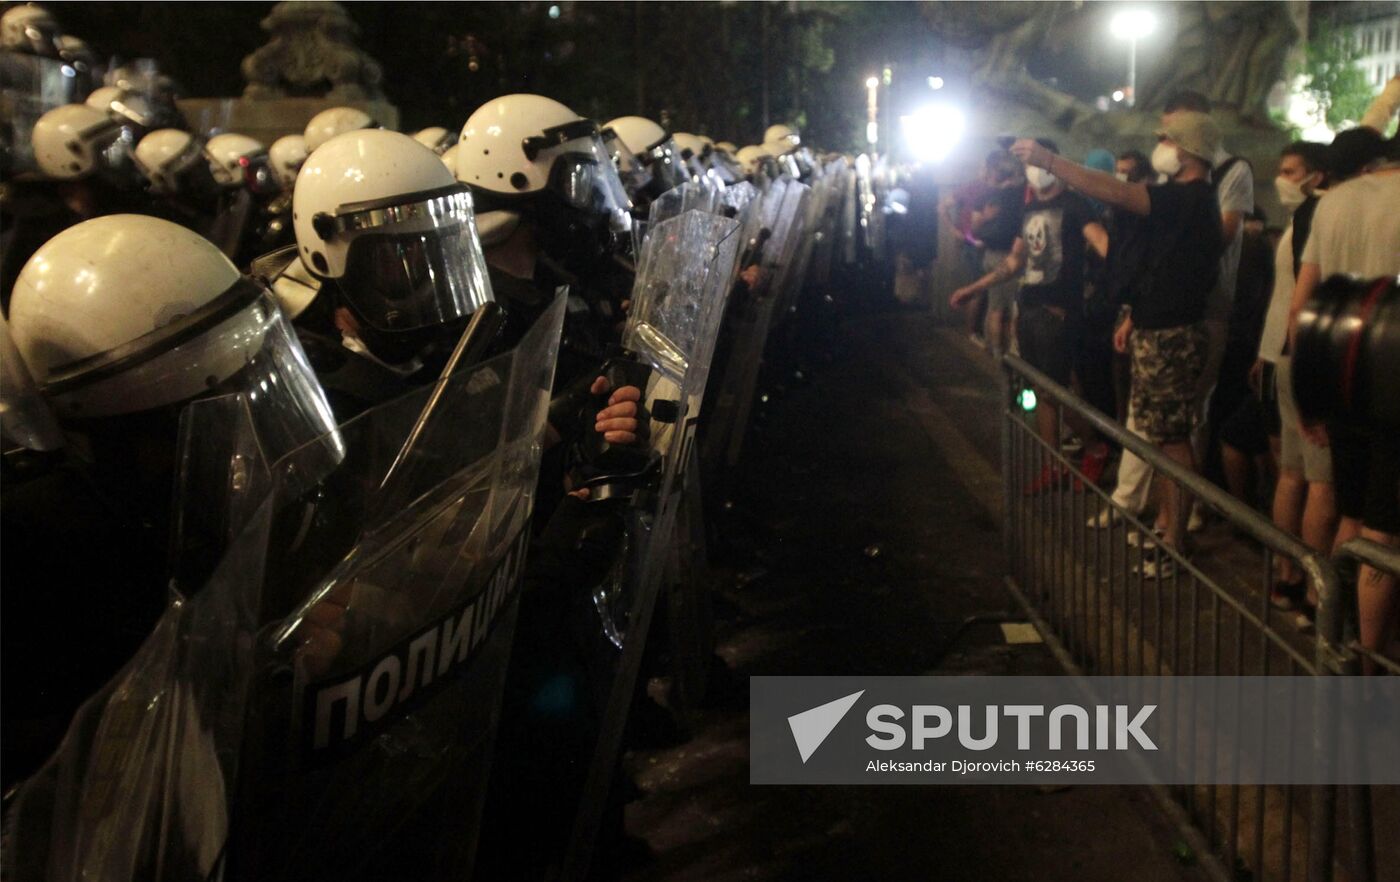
1053 232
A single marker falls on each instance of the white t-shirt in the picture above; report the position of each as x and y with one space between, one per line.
1276 319
1356 228
1234 193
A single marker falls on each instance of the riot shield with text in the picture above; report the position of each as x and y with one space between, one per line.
683 280
374 706
323 706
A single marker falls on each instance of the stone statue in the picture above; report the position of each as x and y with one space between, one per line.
1232 52
1005 36
311 53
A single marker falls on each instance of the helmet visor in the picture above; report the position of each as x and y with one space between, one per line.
589 183
413 264
666 166
238 343
633 174
114 151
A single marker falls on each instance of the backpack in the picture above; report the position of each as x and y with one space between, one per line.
1218 173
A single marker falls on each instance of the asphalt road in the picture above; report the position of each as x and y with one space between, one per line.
868 542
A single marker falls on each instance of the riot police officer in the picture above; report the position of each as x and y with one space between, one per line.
121 320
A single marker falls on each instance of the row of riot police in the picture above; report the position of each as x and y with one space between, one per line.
344 480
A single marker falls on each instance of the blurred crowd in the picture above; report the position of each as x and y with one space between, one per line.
1151 284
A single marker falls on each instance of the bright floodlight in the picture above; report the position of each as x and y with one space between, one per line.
1117 94
872 83
931 132
935 82
1132 24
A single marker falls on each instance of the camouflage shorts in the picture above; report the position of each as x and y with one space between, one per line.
1167 365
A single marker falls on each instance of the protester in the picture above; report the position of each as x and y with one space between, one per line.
1356 231
958 211
1304 503
1094 355
1233 401
996 222
1165 327
1232 182
1057 227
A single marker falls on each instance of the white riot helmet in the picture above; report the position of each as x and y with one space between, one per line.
131 109
752 158
781 139
694 152
335 121
381 215
449 159
287 154
635 176
75 141
435 138
520 146
76 52
29 29
127 313
168 157
102 97
653 147
240 161
724 162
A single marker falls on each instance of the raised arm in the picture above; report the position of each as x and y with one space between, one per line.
1010 267
1094 184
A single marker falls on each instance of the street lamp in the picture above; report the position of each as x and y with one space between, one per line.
1132 25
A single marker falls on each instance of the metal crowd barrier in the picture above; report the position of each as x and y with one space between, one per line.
1387 560
1085 587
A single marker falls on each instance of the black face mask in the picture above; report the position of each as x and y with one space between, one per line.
576 240
426 344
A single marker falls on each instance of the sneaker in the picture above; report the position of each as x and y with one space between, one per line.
1148 543
1048 479
1092 465
1104 519
1152 568
1196 522
1307 618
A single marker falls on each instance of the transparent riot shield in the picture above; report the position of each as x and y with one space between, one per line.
140 786
25 418
690 196
791 268
740 201
375 701
683 280
773 249
829 231
30 86
323 707
850 216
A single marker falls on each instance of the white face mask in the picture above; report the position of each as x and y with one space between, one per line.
1122 176
1290 193
1040 178
1165 159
